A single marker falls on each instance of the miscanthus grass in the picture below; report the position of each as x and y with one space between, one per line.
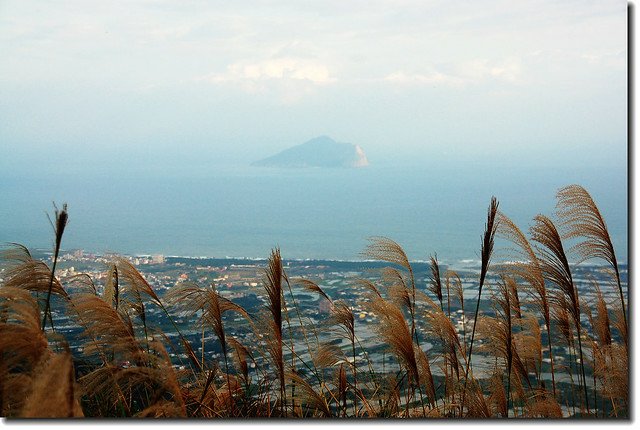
536 348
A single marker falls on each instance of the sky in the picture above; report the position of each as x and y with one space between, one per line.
103 85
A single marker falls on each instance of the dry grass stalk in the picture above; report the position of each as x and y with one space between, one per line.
477 406
133 283
527 267
369 286
555 266
543 406
152 379
23 346
111 293
528 343
498 398
33 275
440 326
313 287
581 218
435 281
515 298
425 377
132 280
316 403
613 370
131 374
61 218
601 323
498 332
190 298
12 254
274 275
328 355
486 252
53 391
240 359
619 323
341 383
458 290
394 330
22 343
81 282
342 316
107 330
385 249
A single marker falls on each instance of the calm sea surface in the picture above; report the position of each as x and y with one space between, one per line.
318 213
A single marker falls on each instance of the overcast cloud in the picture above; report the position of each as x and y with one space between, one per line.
242 79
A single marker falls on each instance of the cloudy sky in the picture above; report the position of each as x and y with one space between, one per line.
234 81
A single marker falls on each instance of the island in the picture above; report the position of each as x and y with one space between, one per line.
321 151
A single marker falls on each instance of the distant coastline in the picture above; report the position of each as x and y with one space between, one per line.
462 264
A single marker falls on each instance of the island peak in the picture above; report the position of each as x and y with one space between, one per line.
321 151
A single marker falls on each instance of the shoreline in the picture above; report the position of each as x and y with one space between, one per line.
461 264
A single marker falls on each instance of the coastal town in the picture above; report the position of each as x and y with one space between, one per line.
241 281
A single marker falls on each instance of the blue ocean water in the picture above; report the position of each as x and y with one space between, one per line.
242 211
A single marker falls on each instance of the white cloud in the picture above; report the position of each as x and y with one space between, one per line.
509 70
342 56
286 68
616 58
461 74
289 79
430 78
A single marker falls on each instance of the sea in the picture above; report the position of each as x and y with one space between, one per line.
313 213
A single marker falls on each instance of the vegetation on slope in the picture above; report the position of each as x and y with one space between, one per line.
125 366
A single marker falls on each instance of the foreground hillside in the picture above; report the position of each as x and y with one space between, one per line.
524 334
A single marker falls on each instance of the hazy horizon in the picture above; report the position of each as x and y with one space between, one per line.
537 80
